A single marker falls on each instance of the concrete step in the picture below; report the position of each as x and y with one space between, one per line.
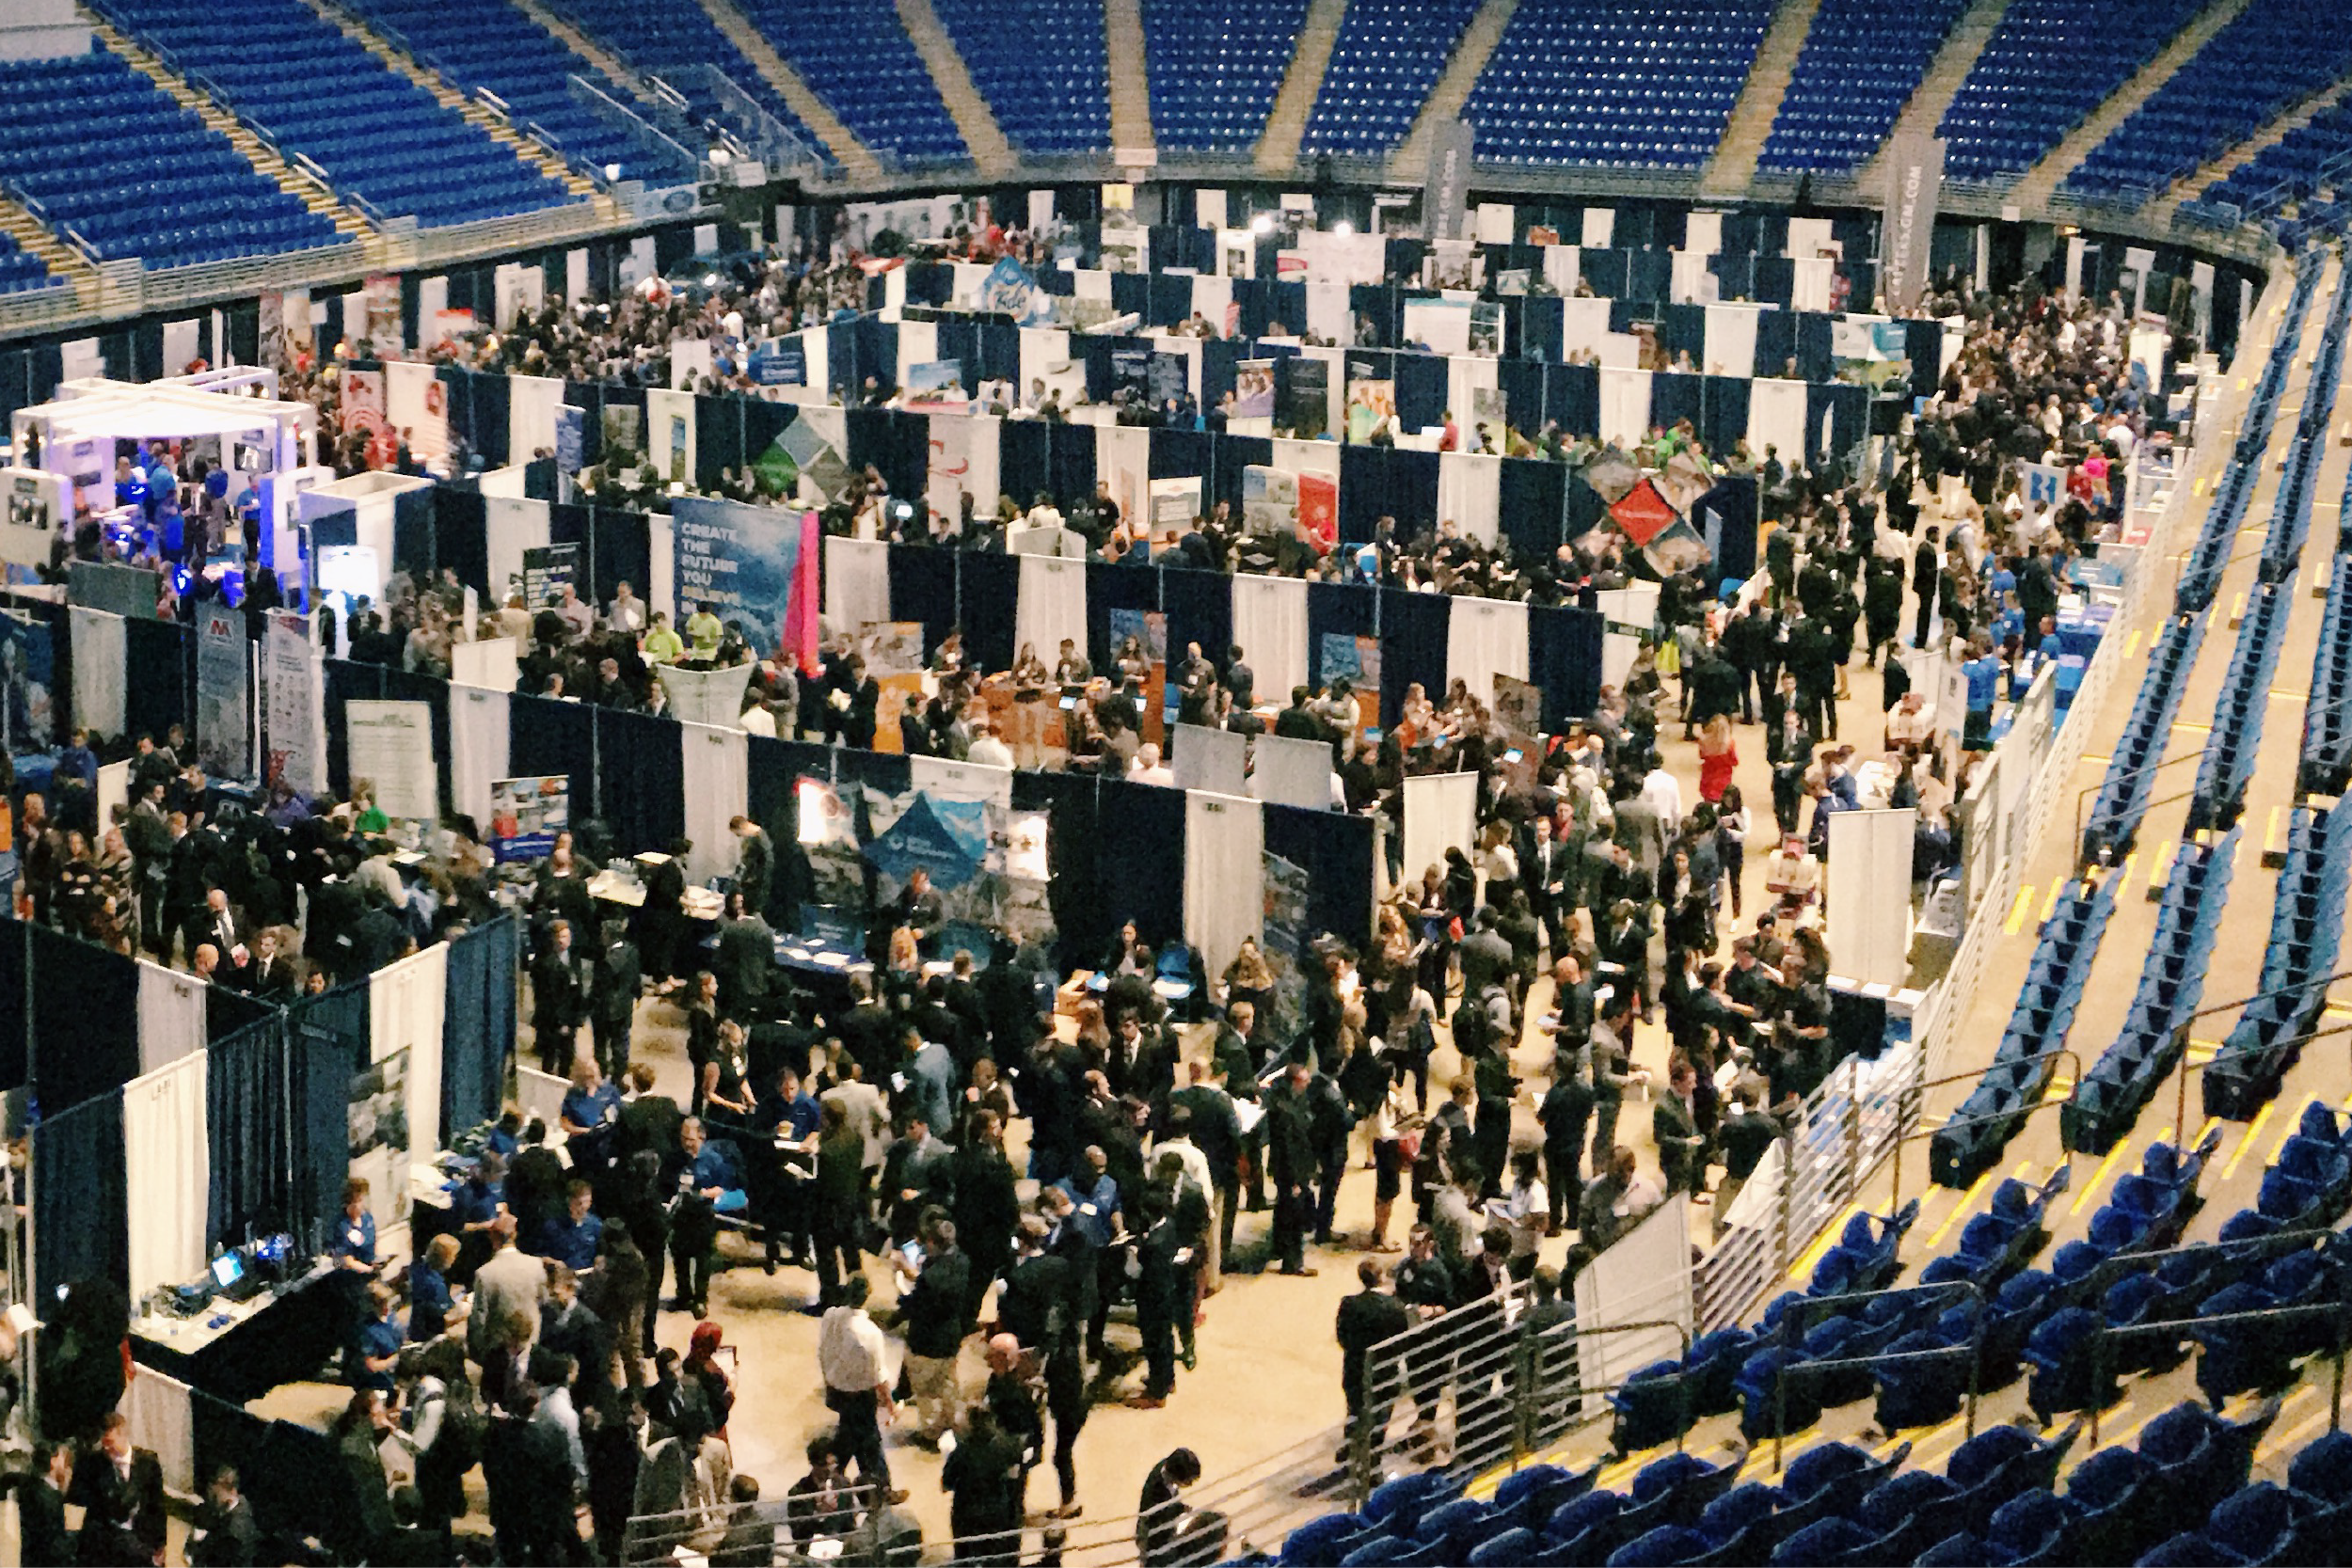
1928 104
1477 46
1751 123
856 159
1286 124
2034 187
1131 81
217 117
62 259
974 120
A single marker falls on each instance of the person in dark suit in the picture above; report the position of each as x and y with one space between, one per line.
619 978
1674 1121
663 920
559 999
224 1533
1291 1155
1366 1318
42 1535
122 1493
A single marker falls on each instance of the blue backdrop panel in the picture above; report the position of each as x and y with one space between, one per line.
1723 411
1335 610
249 1131
1531 501
1334 848
1563 658
1230 473
1141 860
923 588
1421 391
478 1025
1071 454
1024 463
1572 398
546 736
81 1202
1199 607
1181 454
1110 587
461 539
327 1041
16 1020
621 550
160 650
1674 398
1412 647
990 583
85 1020
641 773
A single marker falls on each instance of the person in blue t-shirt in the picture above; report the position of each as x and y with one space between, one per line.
1983 674
572 1237
1094 1197
431 1303
780 1200
374 1348
592 1109
354 1247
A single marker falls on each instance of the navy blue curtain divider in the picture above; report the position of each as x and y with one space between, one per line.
84 1020
249 1131
1169 300
620 550
1816 362
1522 384
772 767
1130 294
1110 587
641 780
763 421
1072 849
1726 517
1199 607
1181 453
1682 330
81 1199
1605 270
328 1045
1674 397
227 1012
588 397
1413 631
1228 474
923 588
16 1014
1531 505
1139 832
493 405
1543 327
478 1025
461 538
1334 849
412 531
1071 469
1735 275
1421 381
1723 411
1335 610
1775 343
992 580
1024 464
1412 492
545 736
1363 492
344 681
1775 280
158 651
1572 398
1564 659
569 524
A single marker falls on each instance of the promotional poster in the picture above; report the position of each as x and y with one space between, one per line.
526 815
757 564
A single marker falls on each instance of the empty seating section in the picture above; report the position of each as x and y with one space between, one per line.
2326 763
2047 65
491 44
2275 54
92 146
1389 55
1042 65
1645 83
1862 60
669 40
2306 924
381 138
21 270
2294 166
856 57
1215 68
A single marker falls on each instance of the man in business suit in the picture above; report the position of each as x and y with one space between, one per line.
1674 1121
559 999
1291 1153
212 924
512 1282
224 1533
122 1493
42 1535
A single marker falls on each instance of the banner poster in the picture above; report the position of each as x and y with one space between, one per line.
1520 704
893 656
828 830
1306 412
1871 354
224 714
28 676
1371 410
1485 329
272 347
1914 188
1131 373
385 338
1445 199
1286 945
1319 509
526 815
1175 505
935 384
989 865
1170 377
780 362
1356 660
290 703
571 438
546 570
1269 501
757 564
1010 289
1253 389
363 402
624 432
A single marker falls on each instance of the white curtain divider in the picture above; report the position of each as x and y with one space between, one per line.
1270 628
171 1015
406 1004
478 739
1583 326
1644 1277
1122 460
1328 315
1053 605
816 345
1562 267
1776 417
1335 392
531 404
1291 772
1466 374
1621 351
1470 492
1867 895
1704 233
1189 349
970 276
670 433
1692 282
1224 875
168 1171
1485 638
857 582
1042 347
102 679
1601 228
662 587
964 451
162 1413
1624 406
1812 288
1090 283
1211 294
717 768
1215 760
1808 237
490 663
509 527
1730 345
918 344
1440 813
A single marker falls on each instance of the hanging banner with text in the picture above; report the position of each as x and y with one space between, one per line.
290 703
391 746
756 565
1915 175
224 712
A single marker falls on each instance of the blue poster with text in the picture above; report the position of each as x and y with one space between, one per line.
742 559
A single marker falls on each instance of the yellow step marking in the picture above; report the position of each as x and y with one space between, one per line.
1886 1450
2270 831
2279 1443
2294 1127
2017 910
2131 644
2082 1199
2261 1118
2130 861
2160 868
2049 905
1811 1257
2279 696
1966 1199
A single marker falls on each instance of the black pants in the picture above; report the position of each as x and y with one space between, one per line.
612 1039
1159 1355
555 1049
837 1258
1066 1402
691 1247
1228 1194
859 1433
1327 1196
1293 1212
1564 1180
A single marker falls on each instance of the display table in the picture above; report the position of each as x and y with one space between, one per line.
240 1351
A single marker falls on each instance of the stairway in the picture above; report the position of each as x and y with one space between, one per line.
62 259
401 63
974 120
1729 171
2246 151
1131 81
1924 110
1461 73
317 197
857 160
2035 185
1286 124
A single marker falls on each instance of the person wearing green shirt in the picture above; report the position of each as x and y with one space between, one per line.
703 630
370 820
661 645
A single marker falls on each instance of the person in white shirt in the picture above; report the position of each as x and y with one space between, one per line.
626 613
1664 794
576 615
849 1356
989 749
756 719
1148 768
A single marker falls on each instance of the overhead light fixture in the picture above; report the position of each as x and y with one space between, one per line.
1342 227
1262 223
